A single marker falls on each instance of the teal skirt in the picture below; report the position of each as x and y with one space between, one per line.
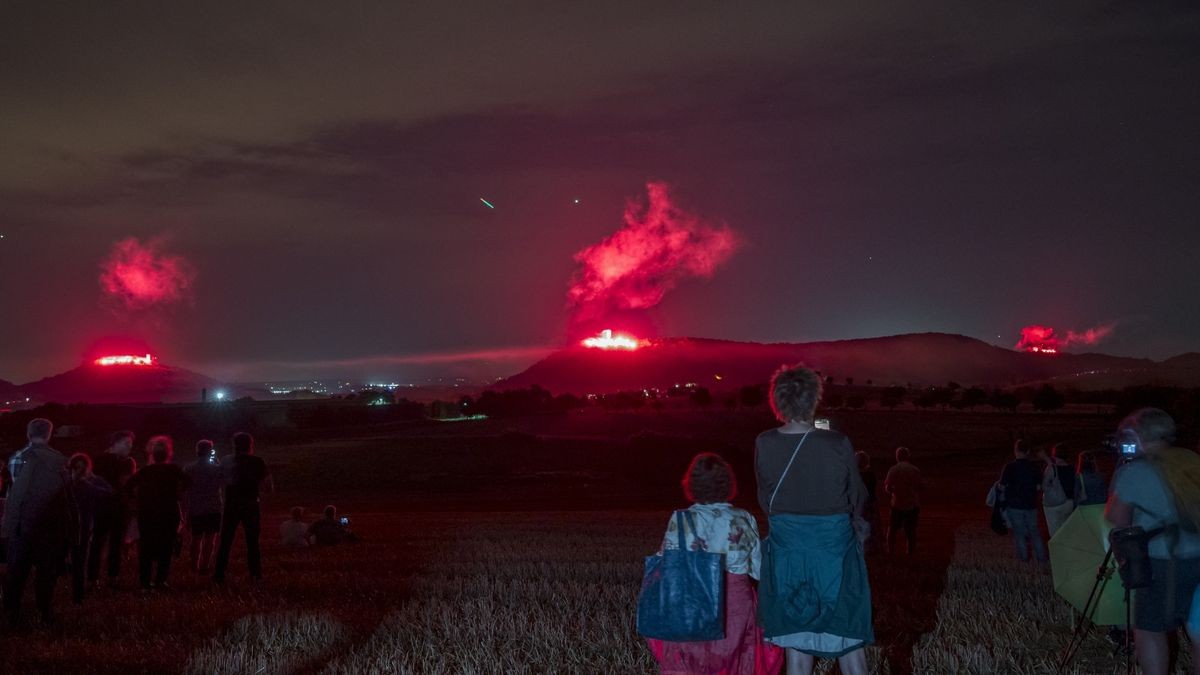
814 594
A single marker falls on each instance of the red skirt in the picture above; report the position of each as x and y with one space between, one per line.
741 652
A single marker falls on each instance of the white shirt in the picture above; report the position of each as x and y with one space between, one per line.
720 528
294 533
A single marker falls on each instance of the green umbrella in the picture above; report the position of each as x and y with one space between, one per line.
1076 552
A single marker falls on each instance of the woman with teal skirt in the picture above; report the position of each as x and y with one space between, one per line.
814 597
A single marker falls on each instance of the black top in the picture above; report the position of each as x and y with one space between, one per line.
327 532
1021 479
823 480
243 475
158 489
868 479
1066 478
114 469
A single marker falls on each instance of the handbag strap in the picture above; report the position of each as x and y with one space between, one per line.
679 528
771 502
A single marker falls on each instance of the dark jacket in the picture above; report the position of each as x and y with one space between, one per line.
1021 480
38 497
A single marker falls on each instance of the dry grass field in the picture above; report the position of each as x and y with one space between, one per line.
499 548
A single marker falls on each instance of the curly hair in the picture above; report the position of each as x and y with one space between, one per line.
709 479
795 392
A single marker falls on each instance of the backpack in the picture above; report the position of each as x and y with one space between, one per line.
1179 470
1052 489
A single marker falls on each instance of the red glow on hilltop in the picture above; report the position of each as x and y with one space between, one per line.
1044 340
140 276
634 268
608 340
126 360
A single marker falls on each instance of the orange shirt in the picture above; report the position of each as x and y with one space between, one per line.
903 483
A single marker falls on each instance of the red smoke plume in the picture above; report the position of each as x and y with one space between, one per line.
140 276
1043 338
633 269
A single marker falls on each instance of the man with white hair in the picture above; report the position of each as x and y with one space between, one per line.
1159 491
37 521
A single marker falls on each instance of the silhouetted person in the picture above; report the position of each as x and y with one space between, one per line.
1090 486
904 484
158 489
1020 482
243 475
293 532
89 492
37 521
329 530
871 508
116 467
203 504
1058 488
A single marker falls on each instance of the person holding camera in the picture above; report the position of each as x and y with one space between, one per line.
203 504
1158 490
330 530
814 596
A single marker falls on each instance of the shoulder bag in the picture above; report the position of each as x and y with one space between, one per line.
683 593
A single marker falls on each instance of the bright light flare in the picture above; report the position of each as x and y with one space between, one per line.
608 340
126 360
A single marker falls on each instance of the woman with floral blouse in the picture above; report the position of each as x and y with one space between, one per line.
719 527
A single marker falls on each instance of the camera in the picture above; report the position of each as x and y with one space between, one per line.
1130 546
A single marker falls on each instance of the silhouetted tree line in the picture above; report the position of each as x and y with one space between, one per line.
509 403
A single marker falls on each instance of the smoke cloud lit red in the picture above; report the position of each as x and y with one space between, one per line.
1044 339
633 269
140 276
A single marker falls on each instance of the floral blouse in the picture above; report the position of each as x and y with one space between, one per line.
720 528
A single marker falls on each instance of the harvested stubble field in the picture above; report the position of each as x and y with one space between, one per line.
469 562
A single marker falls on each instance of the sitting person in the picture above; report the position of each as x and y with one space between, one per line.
293 533
712 524
330 530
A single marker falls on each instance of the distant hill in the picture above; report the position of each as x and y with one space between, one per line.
917 359
121 384
8 390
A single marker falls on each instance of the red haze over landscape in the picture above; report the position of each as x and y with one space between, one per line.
632 270
1044 339
140 276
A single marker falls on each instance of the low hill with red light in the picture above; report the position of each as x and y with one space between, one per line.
92 383
917 359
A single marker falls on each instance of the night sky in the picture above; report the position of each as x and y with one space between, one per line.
963 167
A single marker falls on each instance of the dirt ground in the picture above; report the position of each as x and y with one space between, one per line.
575 499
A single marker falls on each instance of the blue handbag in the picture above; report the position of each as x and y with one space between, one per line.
683 593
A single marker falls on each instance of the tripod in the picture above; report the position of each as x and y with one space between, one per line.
1103 573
